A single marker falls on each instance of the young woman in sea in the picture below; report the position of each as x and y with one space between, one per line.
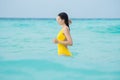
64 38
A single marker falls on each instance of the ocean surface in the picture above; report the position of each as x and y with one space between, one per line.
28 53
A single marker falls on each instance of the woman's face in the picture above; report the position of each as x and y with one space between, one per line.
59 20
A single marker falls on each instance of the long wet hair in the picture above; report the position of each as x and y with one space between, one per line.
64 16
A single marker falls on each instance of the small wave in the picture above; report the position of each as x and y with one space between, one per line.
105 29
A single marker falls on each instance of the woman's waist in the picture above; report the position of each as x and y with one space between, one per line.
62 45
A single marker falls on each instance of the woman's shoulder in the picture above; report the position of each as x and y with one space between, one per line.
65 29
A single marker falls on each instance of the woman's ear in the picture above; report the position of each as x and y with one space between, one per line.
63 20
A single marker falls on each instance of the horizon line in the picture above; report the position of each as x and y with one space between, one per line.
28 18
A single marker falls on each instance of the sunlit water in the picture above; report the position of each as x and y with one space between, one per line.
28 53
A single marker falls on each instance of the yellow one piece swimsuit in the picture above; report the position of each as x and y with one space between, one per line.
62 49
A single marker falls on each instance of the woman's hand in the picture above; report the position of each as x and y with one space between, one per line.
55 41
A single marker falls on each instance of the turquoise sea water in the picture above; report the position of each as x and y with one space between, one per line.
28 53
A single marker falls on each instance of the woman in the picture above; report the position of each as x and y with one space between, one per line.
64 38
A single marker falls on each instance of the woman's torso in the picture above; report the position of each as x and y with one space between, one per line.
61 36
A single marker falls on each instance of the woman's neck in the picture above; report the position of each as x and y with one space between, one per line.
63 25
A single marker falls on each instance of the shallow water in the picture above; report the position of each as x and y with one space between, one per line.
28 53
